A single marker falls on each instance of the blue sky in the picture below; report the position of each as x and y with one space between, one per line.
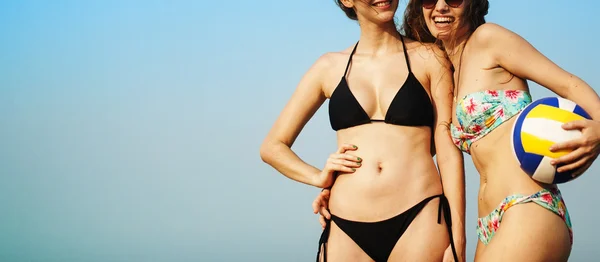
129 130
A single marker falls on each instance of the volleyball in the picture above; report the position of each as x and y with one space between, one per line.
537 128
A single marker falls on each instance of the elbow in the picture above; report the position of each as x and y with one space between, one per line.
572 87
267 150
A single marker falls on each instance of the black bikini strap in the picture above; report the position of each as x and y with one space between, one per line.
405 53
445 207
350 59
323 241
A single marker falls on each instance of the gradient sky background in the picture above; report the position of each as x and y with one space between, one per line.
129 130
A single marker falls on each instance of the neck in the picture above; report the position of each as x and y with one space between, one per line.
454 48
377 39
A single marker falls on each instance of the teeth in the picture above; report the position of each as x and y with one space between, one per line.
443 19
379 4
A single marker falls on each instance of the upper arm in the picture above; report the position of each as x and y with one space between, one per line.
442 87
513 53
304 102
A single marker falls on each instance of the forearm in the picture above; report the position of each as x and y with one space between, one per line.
454 189
582 94
285 161
451 165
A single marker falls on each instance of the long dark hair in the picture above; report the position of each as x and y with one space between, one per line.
414 25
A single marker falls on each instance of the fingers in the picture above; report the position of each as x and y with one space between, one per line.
324 204
321 200
348 163
580 171
344 147
573 165
322 222
576 124
325 212
570 157
321 204
566 146
340 168
324 195
343 162
346 156
324 215
583 167
316 204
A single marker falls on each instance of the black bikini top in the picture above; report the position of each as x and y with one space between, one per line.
410 107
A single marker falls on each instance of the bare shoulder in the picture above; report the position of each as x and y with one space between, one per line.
330 61
429 54
330 68
489 33
324 62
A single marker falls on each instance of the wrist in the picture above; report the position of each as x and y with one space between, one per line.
315 179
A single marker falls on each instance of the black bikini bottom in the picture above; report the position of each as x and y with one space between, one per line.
377 239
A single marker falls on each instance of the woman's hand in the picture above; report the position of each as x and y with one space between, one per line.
321 206
340 161
584 150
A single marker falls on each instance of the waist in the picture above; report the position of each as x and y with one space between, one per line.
396 172
381 190
494 150
499 171
500 175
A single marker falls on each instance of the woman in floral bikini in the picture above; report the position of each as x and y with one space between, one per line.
495 64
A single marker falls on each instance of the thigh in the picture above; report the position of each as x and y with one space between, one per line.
529 232
424 240
340 247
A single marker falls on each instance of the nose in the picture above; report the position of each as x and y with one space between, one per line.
441 6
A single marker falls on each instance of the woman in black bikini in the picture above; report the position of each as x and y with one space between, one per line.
390 97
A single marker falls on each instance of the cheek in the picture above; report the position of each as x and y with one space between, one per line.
428 21
425 12
427 15
432 29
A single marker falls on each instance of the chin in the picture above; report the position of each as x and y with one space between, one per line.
439 34
385 16
442 35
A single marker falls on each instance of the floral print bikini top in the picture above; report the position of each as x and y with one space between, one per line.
480 112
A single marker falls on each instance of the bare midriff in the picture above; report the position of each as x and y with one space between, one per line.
397 172
499 171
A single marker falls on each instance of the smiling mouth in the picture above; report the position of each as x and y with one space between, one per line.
443 20
382 3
